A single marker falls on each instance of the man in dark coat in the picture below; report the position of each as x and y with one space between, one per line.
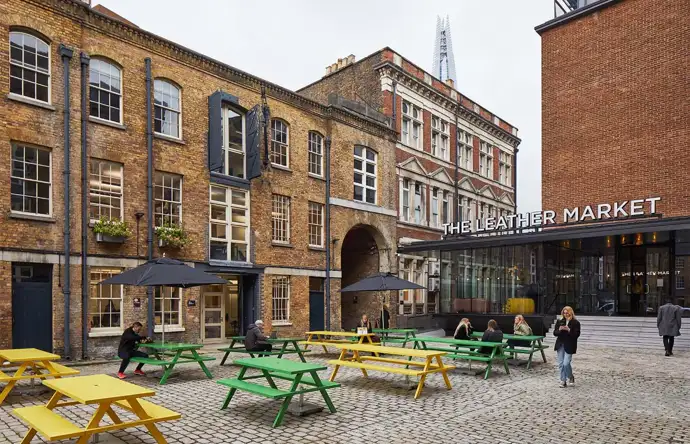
255 340
668 322
128 349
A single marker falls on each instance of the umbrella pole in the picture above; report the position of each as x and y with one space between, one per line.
163 313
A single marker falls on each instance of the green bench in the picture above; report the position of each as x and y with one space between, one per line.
285 348
299 373
168 355
535 345
466 350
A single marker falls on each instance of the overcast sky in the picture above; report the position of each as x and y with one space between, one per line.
497 51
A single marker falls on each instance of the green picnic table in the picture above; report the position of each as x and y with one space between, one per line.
394 335
535 345
287 346
169 354
464 349
299 373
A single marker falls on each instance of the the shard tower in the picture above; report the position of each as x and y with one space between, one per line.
444 62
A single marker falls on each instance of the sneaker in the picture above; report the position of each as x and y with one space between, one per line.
563 384
139 372
571 380
121 375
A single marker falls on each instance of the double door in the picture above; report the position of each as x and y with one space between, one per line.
220 310
644 279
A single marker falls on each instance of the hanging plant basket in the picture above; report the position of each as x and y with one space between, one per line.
106 239
111 231
171 236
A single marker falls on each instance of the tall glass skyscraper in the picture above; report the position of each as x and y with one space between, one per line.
444 62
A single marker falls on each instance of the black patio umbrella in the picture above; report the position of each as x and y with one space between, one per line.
164 272
381 282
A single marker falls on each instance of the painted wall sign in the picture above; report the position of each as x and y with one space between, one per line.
617 210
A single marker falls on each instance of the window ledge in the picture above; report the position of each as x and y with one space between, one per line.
169 328
315 248
169 138
35 217
279 244
29 101
107 123
105 332
281 167
281 324
314 176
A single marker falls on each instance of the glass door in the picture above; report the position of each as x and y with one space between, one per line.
632 283
213 326
658 278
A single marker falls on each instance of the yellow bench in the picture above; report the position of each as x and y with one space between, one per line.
432 362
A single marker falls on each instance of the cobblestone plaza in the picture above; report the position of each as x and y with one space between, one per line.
620 397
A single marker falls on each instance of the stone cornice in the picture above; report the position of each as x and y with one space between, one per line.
396 73
87 17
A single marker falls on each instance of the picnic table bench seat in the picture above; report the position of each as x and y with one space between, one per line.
380 368
59 370
52 426
153 411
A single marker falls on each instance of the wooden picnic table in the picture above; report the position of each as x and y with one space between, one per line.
358 361
298 373
169 354
40 363
106 392
464 349
287 346
535 345
323 338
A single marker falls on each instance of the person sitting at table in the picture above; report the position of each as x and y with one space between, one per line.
492 334
255 340
520 328
364 323
128 349
463 330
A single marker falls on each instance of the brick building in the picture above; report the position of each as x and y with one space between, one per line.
455 160
238 164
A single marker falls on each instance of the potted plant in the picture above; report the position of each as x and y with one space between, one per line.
170 235
111 231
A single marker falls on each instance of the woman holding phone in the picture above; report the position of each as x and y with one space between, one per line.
567 330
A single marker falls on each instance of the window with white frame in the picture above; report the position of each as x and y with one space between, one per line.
105 190
280 286
444 152
435 135
315 154
486 160
229 224
465 141
315 224
482 211
462 207
105 91
30 180
504 168
167 109
680 282
405 200
418 204
445 208
233 149
280 216
29 66
280 141
435 221
167 196
680 263
365 175
468 209
105 301
413 300
167 307
412 134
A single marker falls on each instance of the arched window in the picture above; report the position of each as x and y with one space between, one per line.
315 154
280 140
167 114
105 91
29 66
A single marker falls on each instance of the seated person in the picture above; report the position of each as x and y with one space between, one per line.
255 340
127 349
365 323
464 330
520 328
492 334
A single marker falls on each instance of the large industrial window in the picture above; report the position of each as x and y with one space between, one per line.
281 299
30 180
29 67
105 190
365 175
105 301
229 224
105 91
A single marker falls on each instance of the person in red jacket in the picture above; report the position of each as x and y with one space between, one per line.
567 330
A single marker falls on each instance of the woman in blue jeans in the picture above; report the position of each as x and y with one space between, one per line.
567 330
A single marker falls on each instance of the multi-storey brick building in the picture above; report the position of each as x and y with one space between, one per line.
97 113
455 160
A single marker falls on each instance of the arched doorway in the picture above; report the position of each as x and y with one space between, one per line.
360 257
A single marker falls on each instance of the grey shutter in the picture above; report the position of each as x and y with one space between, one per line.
215 132
253 143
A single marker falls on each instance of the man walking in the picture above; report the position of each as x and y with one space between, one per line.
668 322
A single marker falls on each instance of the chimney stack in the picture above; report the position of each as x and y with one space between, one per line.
450 83
340 64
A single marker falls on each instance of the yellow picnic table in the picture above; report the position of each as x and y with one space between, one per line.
106 392
38 362
324 338
427 365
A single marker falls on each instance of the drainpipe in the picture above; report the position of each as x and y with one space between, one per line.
457 152
395 105
515 177
66 54
84 209
149 186
328 233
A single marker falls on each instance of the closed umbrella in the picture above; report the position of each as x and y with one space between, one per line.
164 272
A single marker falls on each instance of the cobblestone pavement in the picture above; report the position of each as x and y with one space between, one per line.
620 397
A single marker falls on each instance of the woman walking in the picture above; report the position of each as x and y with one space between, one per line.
567 330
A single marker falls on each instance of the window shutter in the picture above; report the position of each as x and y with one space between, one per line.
253 143
215 132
